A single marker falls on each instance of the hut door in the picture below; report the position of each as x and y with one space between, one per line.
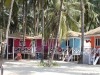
10 48
77 46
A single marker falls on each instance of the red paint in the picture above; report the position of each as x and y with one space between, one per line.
38 43
27 43
48 43
92 41
93 45
16 43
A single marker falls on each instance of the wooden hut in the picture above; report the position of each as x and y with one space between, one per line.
48 44
74 42
94 39
15 43
73 45
94 36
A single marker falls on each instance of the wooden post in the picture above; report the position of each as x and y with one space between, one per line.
73 45
13 49
94 41
7 47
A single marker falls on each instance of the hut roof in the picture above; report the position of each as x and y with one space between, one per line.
19 35
73 33
95 31
15 35
38 36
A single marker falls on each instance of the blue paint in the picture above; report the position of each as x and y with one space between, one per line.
74 43
63 44
71 41
77 43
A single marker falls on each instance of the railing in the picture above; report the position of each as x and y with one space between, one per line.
23 50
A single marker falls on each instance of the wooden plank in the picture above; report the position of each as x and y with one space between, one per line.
96 60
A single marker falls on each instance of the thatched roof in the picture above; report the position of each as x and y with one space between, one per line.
95 31
19 35
73 34
70 34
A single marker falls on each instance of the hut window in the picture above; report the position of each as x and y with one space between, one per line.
97 41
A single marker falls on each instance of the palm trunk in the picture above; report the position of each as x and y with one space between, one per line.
49 42
59 20
3 19
42 23
24 21
8 25
49 54
82 31
34 13
66 53
1 50
37 24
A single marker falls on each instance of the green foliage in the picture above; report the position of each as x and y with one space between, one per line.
63 27
70 17
7 3
46 64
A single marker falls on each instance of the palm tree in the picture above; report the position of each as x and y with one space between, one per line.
69 17
59 23
82 31
10 13
42 24
91 16
66 18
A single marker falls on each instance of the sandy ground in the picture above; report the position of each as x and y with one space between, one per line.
31 67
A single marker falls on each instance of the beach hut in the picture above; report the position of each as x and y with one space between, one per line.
94 35
15 43
74 42
94 44
48 44
72 45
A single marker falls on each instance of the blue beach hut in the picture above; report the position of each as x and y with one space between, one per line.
75 42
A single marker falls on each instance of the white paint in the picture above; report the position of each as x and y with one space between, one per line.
87 44
96 60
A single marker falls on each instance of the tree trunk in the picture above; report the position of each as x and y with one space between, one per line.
42 23
24 21
49 54
57 36
8 25
3 19
37 24
82 31
34 13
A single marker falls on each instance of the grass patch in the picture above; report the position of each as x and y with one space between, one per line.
46 64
